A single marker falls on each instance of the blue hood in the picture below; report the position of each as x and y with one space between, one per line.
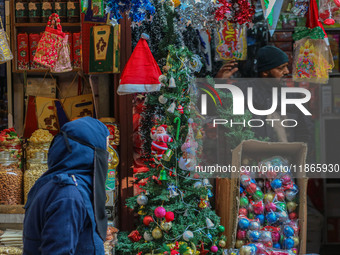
67 157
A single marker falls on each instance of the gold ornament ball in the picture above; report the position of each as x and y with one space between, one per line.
269 197
222 243
157 233
166 226
296 241
239 244
291 206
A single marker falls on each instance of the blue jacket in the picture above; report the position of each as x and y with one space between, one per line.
59 216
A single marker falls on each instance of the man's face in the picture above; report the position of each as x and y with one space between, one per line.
277 72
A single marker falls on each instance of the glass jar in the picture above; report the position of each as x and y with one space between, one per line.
21 11
14 148
10 180
46 10
34 11
34 147
73 11
60 7
35 167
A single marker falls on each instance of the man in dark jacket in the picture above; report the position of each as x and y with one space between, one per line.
65 210
272 64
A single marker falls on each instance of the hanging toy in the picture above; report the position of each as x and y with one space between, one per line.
180 109
163 176
162 79
147 220
172 107
134 236
160 212
337 2
157 233
188 235
147 237
329 21
169 216
209 223
214 249
172 190
167 155
142 199
172 83
162 99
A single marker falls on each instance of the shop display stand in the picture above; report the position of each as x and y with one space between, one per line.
30 27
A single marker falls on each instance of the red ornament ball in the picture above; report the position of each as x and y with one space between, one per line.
251 188
293 216
160 212
243 211
280 196
147 220
169 216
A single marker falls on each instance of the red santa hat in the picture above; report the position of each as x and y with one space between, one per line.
164 127
141 73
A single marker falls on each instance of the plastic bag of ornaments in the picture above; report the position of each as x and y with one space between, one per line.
329 11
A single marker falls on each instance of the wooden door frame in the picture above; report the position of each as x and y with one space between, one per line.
123 111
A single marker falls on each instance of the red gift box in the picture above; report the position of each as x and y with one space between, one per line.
76 50
70 43
23 51
33 43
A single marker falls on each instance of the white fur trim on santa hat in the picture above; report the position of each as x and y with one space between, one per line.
125 89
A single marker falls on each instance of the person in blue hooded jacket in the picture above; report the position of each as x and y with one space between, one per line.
65 209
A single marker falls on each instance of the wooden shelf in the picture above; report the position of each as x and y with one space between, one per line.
12 209
44 24
42 71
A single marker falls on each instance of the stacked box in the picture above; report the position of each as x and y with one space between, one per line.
33 43
229 189
23 52
76 50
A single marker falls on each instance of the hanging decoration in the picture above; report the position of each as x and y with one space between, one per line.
197 14
235 11
329 12
232 42
313 59
160 139
137 10
274 16
142 63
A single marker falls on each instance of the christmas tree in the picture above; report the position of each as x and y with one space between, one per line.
174 211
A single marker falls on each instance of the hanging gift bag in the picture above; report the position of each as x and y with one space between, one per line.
50 43
5 51
78 106
63 63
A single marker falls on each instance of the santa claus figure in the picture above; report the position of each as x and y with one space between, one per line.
160 139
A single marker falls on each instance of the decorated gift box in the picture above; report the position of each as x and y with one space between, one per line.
23 51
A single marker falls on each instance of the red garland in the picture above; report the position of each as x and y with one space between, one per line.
235 11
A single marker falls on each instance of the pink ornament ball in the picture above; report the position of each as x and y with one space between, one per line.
241 234
160 212
214 249
276 236
286 179
270 207
280 196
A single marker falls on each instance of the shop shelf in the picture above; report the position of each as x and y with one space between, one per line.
41 71
44 24
12 209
